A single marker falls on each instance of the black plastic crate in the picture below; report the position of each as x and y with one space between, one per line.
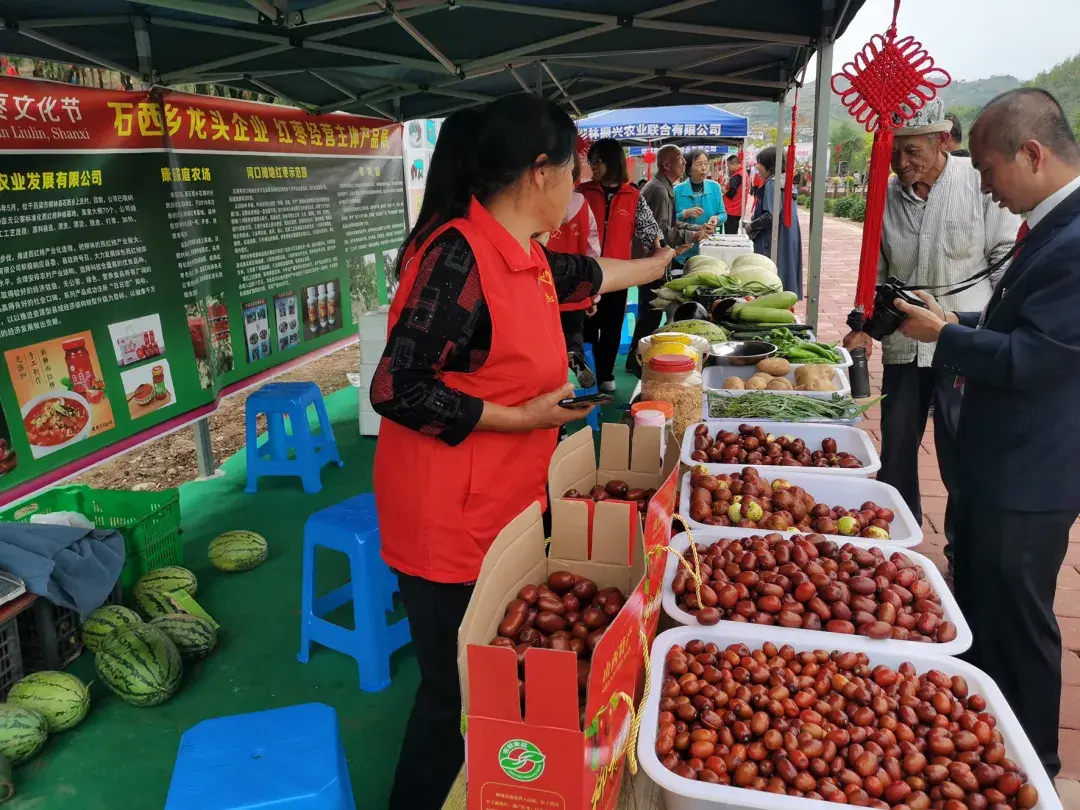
11 663
49 636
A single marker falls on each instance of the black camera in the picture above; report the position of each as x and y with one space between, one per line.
887 318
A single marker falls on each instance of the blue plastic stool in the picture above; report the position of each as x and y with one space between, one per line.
309 452
352 527
285 759
628 327
593 419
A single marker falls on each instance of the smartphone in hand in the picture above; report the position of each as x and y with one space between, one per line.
578 403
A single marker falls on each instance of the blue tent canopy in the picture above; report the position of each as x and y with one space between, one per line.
702 123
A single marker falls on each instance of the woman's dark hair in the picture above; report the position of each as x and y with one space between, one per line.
610 152
767 158
484 150
691 157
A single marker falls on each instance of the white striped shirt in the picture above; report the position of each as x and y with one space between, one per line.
940 241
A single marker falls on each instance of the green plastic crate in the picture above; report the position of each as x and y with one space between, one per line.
149 522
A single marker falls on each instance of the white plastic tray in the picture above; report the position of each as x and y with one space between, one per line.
713 377
688 794
848 440
764 632
851 493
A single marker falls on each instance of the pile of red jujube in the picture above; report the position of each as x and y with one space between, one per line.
809 582
752 445
568 613
747 500
830 727
615 490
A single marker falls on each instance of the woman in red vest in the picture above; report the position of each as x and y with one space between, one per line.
733 194
577 234
626 227
469 385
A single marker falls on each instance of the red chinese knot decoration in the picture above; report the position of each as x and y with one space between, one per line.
886 84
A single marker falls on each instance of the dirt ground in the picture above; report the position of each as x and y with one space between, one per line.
170 460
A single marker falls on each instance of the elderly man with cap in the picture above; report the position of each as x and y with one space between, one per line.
939 231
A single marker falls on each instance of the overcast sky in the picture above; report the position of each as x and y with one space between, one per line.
974 39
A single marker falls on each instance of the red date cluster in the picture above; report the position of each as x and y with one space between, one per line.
615 490
809 582
830 727
747 500
567 613
752 445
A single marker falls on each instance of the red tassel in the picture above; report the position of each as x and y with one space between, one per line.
789 181
880 160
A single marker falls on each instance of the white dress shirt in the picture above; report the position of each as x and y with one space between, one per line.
1039 212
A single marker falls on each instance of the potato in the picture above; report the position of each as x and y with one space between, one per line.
734 384
776 366
804 374
755 384
820 384
762 376
779 384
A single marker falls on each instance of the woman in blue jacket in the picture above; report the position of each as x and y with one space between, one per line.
698 199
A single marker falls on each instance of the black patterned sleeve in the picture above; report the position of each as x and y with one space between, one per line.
444 326
576 276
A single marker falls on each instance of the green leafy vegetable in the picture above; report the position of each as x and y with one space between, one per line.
786 408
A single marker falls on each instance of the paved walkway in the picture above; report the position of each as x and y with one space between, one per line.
841 260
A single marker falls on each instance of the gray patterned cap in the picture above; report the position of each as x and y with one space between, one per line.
928 121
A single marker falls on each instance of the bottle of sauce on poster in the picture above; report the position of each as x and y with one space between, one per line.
79 366
330 308
322 305
158 374
312 310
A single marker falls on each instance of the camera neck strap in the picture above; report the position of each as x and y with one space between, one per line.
969 282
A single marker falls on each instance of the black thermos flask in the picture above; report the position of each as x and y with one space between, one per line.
860 374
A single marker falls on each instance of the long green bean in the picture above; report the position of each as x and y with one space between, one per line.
785 407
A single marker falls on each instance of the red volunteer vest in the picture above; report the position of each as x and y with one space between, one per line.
572 237
733 207
440 507
616 226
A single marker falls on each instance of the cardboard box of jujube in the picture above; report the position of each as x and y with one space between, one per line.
546 734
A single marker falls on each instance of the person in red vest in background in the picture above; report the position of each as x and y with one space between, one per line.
733 194
8 67
579 235
622 217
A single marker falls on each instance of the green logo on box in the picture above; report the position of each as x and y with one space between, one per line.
521 760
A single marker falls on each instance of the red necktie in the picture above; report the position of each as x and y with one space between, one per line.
1024 231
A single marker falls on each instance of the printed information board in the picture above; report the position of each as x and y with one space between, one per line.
159 249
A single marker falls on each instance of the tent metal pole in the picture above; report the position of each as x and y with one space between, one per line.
778 191
195 70
204 451
206 9
639 21
52 42
524 84
339 10
381 20
819 168
562 89
140 27
414 32
71 22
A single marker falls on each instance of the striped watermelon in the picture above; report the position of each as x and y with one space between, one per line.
168 579
22 732
105 620
193 636
154 603
63 699
238 551
140 664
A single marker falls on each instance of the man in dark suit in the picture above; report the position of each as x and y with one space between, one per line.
1019 443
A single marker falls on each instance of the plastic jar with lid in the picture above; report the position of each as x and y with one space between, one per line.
676 380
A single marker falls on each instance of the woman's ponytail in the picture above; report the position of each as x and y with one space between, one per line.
451 176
